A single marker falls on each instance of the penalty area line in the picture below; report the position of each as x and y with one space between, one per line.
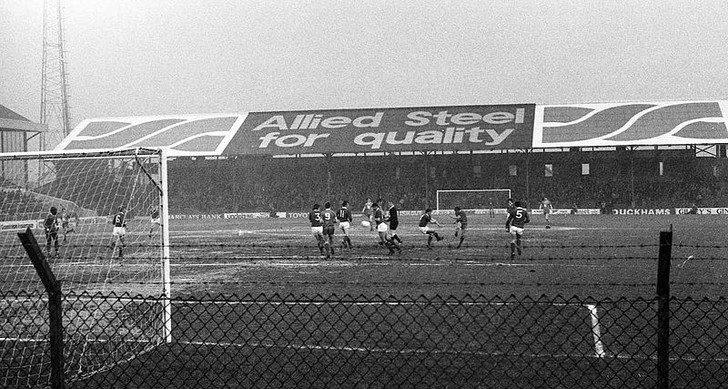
303 346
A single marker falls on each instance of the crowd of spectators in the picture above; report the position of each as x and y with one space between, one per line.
18 205
263 184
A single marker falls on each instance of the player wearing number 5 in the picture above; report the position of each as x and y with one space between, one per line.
516 222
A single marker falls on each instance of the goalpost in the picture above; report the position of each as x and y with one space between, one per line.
114 308
472 199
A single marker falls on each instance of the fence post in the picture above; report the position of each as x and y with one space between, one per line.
663 310
55 309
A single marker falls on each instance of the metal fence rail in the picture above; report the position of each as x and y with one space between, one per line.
293 341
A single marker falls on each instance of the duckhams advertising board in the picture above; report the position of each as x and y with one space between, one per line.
457 128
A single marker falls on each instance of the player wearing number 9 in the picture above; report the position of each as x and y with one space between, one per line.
516 222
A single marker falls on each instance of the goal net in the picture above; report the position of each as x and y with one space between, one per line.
114 308
472 199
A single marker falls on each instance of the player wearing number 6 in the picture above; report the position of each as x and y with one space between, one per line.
119 232
516 222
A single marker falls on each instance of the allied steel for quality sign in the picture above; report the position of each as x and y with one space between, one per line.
460 128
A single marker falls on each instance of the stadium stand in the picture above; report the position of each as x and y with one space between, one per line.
616 178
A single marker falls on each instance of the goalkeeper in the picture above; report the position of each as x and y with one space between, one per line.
155 219
50 225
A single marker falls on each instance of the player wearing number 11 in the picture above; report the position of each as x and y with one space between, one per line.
516 222
343 215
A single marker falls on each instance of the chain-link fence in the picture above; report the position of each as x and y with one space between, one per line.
293 341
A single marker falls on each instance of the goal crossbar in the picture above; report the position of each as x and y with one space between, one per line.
471 199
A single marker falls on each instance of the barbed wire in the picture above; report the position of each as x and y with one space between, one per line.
397 283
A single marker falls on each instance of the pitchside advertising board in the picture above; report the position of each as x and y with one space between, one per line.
461 128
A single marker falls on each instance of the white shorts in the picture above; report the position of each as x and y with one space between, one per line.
424 229
516 230
317 230
344 225
156 221
119 231
382 227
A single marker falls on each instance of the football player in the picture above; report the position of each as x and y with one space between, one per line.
154 219
393 220
119 222
329 223
343 215
516 222
317 226
426 219
461 219
368 212
50 225
546 208
65 223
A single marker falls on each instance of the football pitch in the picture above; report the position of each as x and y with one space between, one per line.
254 304
603 256
577 309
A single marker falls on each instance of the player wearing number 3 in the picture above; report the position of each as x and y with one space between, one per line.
317 226
516 222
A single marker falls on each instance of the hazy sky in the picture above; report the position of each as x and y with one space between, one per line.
156 57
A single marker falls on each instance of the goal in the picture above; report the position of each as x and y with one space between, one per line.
472 199
113 308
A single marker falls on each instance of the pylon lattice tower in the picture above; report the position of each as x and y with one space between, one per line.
54 110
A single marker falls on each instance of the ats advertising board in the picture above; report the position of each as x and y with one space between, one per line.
457 128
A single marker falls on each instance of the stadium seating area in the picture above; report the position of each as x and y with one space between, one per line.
15 203
620 179
615 179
